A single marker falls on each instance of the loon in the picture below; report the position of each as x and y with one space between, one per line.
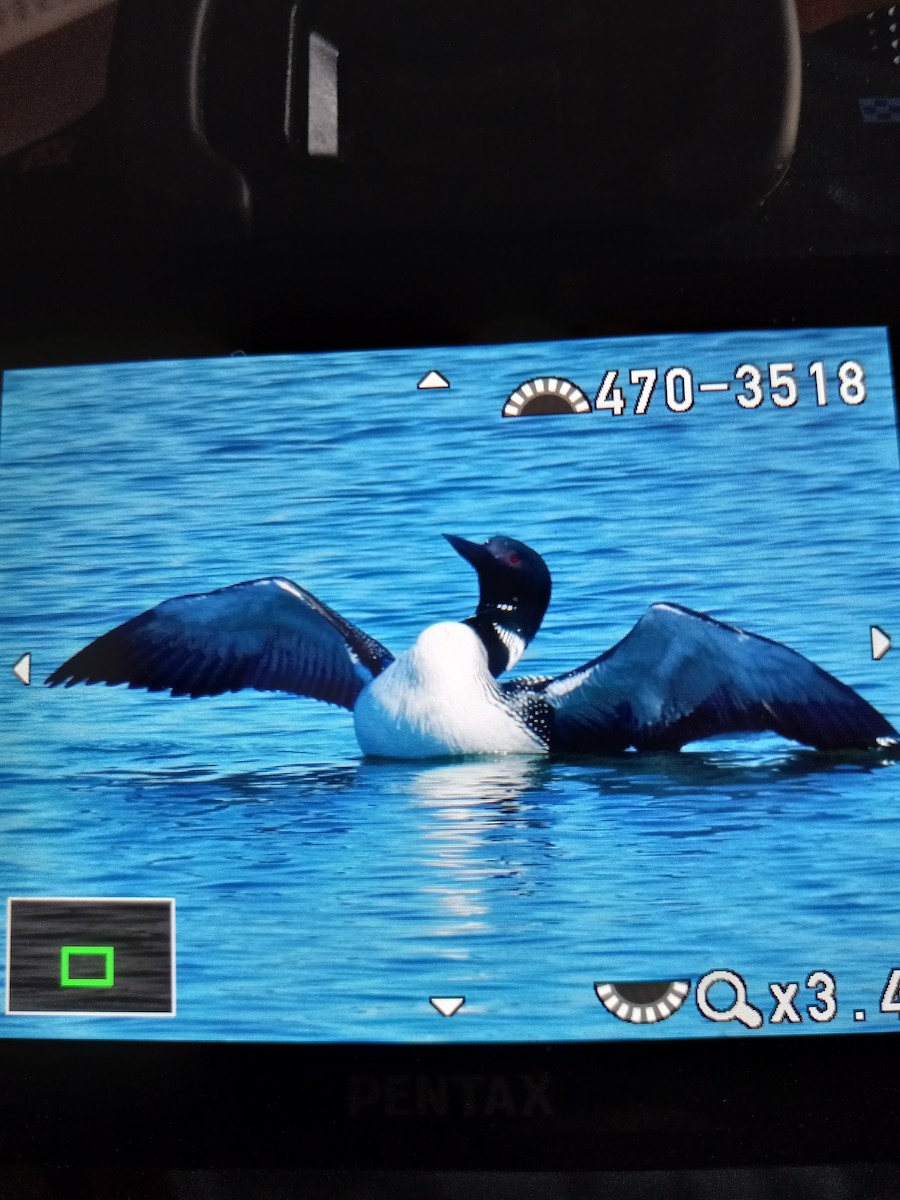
677 677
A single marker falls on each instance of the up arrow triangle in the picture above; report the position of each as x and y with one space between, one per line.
881 642
22 669
447 1006
434 379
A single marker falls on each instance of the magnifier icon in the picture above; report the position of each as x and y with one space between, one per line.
738 1010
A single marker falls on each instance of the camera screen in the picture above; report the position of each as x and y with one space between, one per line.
504 693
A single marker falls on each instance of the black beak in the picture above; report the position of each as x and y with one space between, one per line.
474 554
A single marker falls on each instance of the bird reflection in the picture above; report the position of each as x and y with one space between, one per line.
476 829
484 781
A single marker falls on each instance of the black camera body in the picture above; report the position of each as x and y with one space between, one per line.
332 179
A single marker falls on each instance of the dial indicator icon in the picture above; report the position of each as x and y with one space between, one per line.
643 1002
546 397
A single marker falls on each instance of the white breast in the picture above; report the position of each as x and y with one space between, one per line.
439 698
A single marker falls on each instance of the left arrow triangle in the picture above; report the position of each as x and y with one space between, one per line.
22 669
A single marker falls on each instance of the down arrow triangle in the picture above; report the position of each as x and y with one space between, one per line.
447 1006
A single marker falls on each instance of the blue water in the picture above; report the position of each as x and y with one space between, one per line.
321 897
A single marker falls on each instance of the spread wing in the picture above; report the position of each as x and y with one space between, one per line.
679 676
267 634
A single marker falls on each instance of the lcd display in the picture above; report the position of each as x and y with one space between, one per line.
367 830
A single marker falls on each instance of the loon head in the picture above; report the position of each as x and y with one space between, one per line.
514 591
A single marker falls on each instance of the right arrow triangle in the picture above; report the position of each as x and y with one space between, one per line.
881 642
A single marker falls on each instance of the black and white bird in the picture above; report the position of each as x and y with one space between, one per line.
677 677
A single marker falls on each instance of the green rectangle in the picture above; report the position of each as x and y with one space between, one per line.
68 952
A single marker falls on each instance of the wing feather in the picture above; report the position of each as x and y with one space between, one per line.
680 676
267 634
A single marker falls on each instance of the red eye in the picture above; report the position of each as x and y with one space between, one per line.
514 560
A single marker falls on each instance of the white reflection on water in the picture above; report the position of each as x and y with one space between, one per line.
466 804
